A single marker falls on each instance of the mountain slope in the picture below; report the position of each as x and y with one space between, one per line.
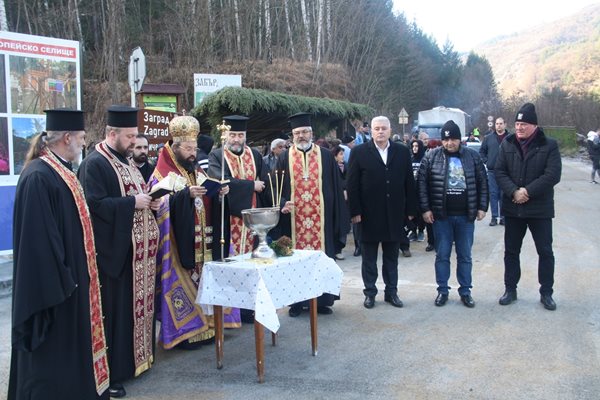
563 54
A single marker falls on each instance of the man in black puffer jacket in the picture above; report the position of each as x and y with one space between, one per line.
453 192
527 168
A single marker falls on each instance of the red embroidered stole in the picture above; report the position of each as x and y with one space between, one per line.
99 358
203 228
241 167
306 184
145 244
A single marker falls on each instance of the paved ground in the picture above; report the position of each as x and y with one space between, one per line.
521 351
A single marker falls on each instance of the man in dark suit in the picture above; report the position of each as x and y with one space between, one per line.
381 192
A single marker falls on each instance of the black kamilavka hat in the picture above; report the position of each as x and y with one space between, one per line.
64 119
299 120
121 116
238 123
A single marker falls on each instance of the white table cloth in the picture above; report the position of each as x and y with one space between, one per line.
265 287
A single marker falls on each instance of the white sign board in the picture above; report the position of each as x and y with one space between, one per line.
210 83
36 73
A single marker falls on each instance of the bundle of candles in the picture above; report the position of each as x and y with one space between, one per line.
276 194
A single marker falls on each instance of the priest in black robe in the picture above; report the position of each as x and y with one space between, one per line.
246 174
314 214
58 337
126 240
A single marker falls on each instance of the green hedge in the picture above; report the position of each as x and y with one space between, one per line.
566 137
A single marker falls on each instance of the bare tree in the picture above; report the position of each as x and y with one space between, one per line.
238 43
268 31
289 29
3 20
306 24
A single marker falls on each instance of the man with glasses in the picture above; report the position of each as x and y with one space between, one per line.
189 220
527 169
245 171
312 198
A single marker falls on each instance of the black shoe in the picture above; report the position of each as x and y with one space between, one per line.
493 222
324 310
294 311
357 252
467 300
441 299
429 247
406 253
546 300
116 390
508 297
502 221
369 302
393 299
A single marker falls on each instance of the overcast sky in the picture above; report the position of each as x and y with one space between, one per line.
469 22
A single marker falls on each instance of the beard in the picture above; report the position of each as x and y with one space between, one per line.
142 158
236 148
188 164
304 145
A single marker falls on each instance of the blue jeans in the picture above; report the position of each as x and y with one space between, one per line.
495 195
458 230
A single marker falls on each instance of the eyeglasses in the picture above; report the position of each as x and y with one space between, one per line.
189 149
301 132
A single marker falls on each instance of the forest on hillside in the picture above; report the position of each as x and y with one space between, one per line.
355 50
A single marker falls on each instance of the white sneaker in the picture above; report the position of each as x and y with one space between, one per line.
340 256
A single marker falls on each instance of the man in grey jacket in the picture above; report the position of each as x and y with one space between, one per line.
527 169
489 152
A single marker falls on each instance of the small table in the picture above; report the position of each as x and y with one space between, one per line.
264 286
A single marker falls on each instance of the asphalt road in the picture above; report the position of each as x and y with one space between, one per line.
521 351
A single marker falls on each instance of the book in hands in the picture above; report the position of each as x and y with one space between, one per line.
171 183
212 185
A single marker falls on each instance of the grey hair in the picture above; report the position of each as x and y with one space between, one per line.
381 118
276 143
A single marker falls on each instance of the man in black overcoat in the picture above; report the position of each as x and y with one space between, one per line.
381 192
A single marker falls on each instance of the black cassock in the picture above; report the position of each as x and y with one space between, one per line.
337 220
146 170
240 190
112 217
51 338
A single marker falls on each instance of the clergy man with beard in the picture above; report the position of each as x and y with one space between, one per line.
126 241
244 170
189 224
313 214
58 342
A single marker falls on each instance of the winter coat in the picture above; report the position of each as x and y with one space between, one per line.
432 182
489 149
382 194
537 172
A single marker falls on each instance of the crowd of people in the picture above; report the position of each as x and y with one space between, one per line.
108 251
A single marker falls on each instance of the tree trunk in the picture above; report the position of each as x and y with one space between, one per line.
238 35
320 12
289 29
3 21
268 32
306 24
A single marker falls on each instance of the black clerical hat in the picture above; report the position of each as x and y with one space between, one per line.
238 123
300 119
64 119
121 116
